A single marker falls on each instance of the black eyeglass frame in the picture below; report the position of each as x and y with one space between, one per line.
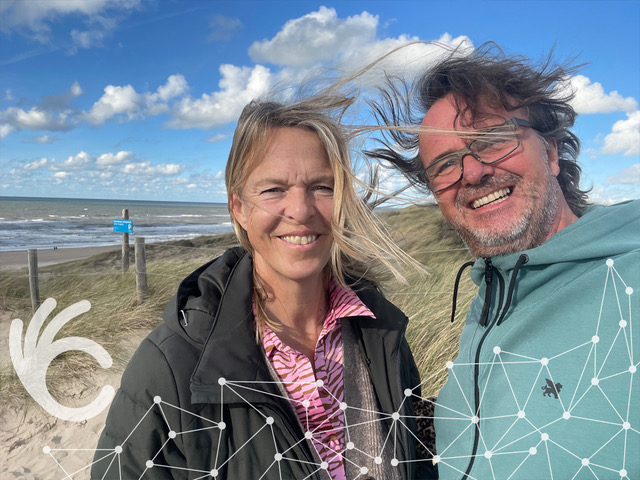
463 152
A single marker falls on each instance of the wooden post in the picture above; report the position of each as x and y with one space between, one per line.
141 270
34 288
125 244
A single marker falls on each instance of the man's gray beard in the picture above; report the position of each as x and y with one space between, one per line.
529 231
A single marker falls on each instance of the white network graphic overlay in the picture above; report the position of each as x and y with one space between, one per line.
607 462
605 395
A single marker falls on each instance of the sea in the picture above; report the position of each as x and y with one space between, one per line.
43 223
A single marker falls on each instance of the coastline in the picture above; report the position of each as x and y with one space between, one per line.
18 258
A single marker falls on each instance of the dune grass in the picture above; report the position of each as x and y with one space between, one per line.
117 322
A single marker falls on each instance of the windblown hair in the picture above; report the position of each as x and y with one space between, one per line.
484 79
361 250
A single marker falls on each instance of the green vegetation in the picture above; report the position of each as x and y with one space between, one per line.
118 323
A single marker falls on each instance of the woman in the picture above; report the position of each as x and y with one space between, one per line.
280 359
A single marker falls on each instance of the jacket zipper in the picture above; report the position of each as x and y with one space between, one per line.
476 369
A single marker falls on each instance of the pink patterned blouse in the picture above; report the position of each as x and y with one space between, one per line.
318 396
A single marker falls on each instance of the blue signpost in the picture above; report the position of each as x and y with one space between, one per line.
122 226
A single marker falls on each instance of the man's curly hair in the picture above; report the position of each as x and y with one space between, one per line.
484 79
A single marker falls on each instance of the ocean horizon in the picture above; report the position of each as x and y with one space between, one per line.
43 222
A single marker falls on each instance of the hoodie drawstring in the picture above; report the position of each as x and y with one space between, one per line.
488 281
522 259
455 288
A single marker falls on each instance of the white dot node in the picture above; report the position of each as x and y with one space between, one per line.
46 449
449 365
610 262
149 464
308 435
475 419
364 470
222 381
566 415
595 339
408 392
623 473
118 449
632 369
350 446
622 323
306 403
213 473
521 414
319 383
270 420
157 399
394 462
544 361
626 425
277 457
585 461
395 416
343 406
222 425
628 290
324 465
497 350
533 451
544 437
172 434
378 460
436 459
488 454
595 381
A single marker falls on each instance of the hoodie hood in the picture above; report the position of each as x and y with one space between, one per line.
602 232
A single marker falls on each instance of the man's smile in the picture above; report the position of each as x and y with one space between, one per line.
492 198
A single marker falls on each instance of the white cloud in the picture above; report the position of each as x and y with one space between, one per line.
75 162
54 113
223 28
591 98
75 89
45 139
125 102
117 159
238 86
6 129
115 101
61 174
36 164
33 17
630 175
87 39
176 85
314 37
624 137
147 169
218 137
14 119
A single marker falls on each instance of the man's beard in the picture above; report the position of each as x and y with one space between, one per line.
530 230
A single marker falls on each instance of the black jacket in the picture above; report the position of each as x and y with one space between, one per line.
171 406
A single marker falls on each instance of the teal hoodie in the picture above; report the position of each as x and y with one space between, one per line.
548 387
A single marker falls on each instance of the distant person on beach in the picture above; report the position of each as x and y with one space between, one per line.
280 359
546 381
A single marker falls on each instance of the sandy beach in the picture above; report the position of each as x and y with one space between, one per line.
18 258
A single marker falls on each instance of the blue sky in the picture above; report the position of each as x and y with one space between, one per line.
138 98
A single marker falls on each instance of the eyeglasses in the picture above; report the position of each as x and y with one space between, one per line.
492 145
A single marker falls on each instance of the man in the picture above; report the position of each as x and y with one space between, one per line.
545 384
